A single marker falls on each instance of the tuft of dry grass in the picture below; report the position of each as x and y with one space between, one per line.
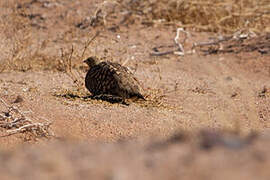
155 98
72 94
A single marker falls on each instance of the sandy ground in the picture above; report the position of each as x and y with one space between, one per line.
96 139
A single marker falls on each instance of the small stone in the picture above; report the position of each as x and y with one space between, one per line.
18 99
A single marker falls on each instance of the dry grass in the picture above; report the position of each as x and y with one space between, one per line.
21 25
204 15
155 98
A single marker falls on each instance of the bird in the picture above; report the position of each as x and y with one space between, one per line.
111 81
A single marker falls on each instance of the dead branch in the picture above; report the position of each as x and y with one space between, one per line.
161 53
39 129
212 42
15 122
94 18
180 49
89 42
69 59
66 62
237 37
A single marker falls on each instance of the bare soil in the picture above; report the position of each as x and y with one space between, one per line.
226 92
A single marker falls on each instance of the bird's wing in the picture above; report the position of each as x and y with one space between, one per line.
126 79
101 78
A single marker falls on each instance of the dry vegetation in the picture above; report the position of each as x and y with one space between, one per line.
203 15
14 121
21 25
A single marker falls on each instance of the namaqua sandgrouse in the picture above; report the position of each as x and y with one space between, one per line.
107 80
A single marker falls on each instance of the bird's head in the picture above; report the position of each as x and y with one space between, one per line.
91 61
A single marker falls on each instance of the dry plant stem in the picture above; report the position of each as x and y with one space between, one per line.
69 59
180 51
68 69
12 107
94 18
29 128
68 66
236 36
14 123
125 62
89 42
212 42
100 9
38 129
68 63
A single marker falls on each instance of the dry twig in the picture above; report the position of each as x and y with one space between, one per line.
103 10
38 129
180 49
15 122
89 42
66 62
236 37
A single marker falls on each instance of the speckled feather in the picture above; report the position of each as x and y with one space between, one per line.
112 78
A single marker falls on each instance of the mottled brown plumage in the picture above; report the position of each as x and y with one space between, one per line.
108 78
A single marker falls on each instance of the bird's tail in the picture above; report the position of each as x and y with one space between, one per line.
140 96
